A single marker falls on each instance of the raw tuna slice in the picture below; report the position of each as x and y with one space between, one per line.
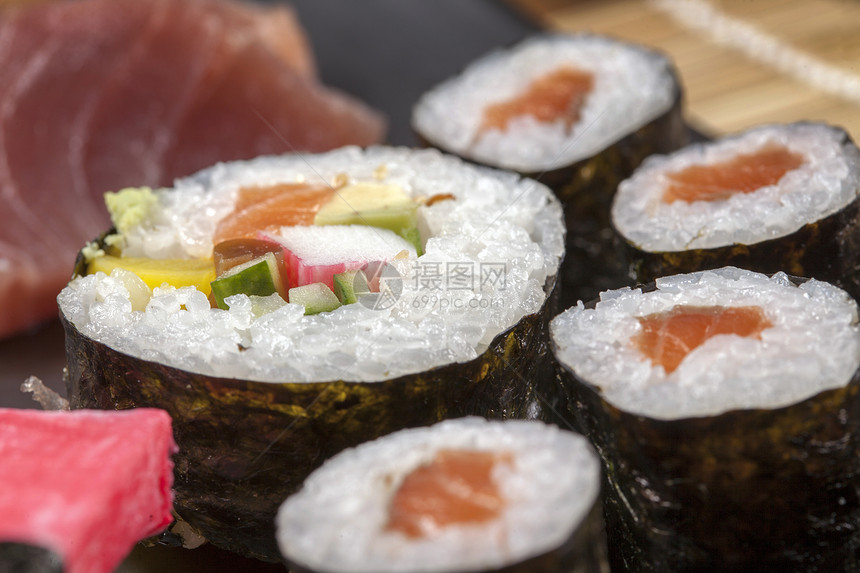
275 26
314 254
86 485
97 95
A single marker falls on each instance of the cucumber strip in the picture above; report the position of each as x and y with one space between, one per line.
315 297
349 285
258 277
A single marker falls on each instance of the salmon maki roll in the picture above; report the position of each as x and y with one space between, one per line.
774 198
548 102
710 397
462 495
578 112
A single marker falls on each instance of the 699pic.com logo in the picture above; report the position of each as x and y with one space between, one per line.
437 284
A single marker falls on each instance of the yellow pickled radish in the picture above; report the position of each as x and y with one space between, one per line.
155 272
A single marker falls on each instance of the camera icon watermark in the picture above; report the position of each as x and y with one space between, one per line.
382 288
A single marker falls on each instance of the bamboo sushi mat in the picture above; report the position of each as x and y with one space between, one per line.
741 62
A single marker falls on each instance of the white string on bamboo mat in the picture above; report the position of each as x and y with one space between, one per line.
759 46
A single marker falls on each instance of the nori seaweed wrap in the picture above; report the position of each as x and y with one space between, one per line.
738 452
774 198
26 558
462 495
578 112
264 397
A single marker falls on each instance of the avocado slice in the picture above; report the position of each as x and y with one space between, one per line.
315 297
259 277
349 285
374 205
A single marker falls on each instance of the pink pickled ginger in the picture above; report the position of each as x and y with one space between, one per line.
85 484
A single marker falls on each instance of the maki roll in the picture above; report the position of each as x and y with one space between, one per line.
578 112
723 404
285 308
463 495
548 102
774 198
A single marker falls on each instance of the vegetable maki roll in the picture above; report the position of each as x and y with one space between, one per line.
463 495
774 198
350 294
578 112
724 406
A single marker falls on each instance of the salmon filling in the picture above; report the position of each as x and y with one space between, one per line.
269 208
456 487
746 173
667 337
557 95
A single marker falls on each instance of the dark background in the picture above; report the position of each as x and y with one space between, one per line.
388 52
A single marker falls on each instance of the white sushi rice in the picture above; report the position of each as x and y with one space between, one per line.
632 86
337 522
495 219
827 181
813 345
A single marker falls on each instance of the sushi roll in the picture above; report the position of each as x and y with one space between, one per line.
724 406
285 308
463 495
579 112
773 198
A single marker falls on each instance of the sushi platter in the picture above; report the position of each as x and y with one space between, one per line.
485 277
